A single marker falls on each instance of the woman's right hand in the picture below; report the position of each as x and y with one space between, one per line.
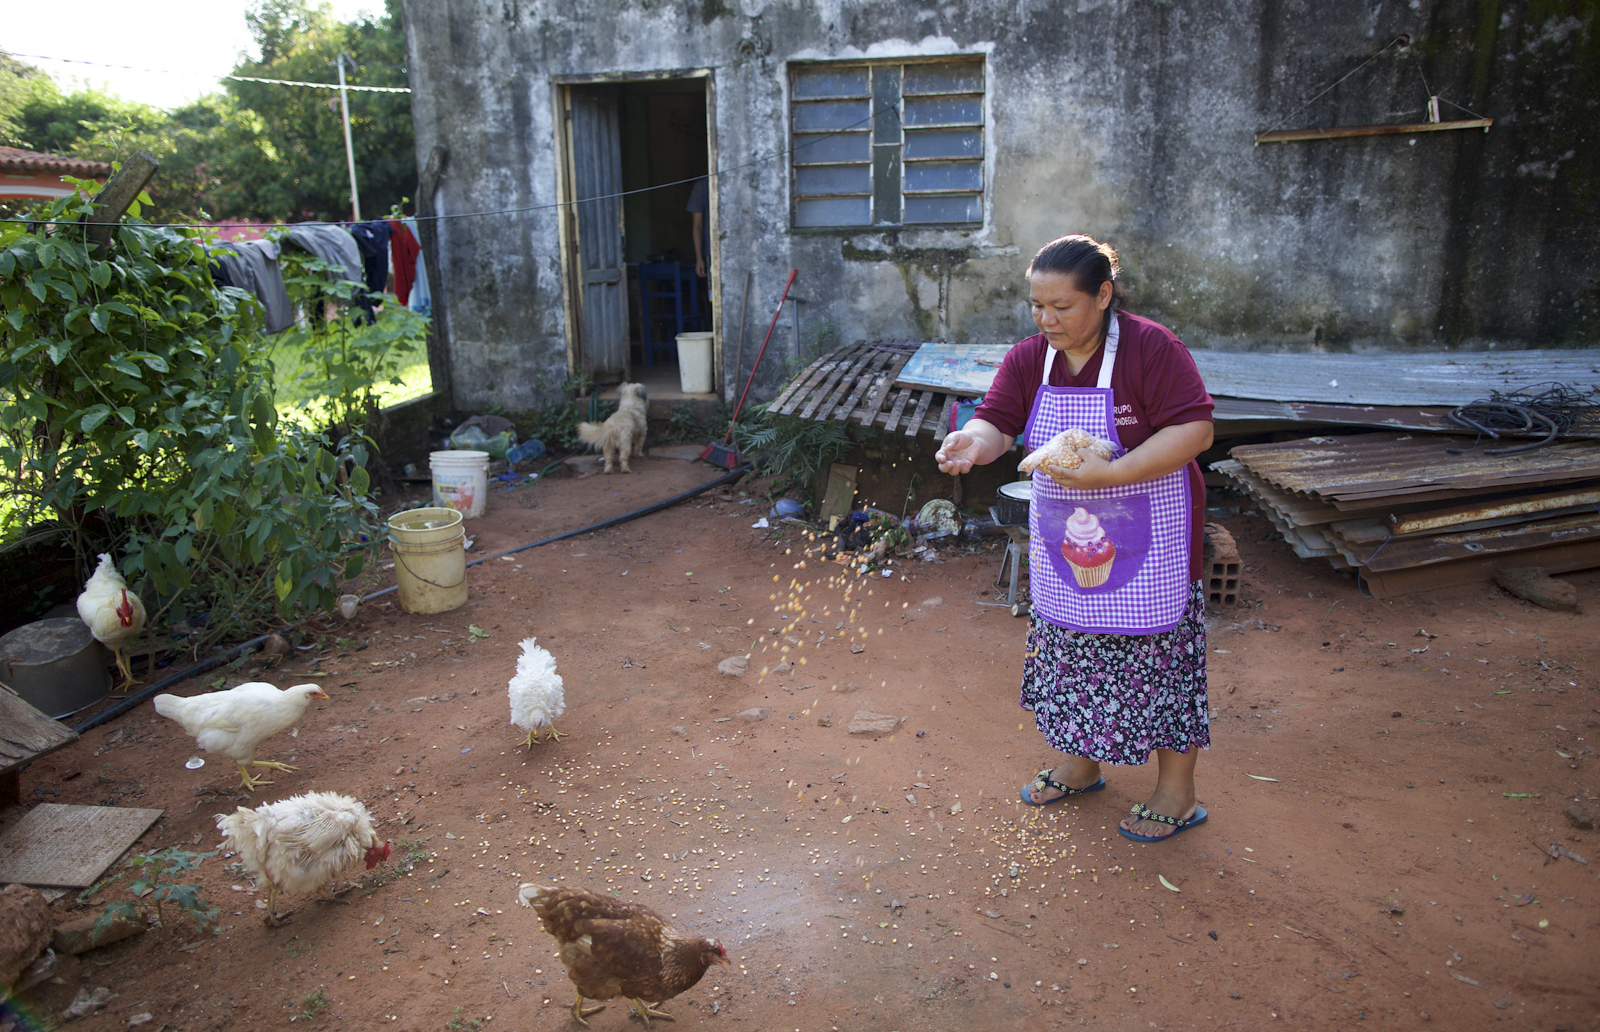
959 452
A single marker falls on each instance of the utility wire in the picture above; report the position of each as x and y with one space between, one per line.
237 78
525 208
320 85
1402 38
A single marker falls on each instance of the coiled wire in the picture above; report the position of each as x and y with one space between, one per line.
1546 410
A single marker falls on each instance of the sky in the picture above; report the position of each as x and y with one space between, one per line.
176 49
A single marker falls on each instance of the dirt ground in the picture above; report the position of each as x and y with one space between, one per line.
1386 781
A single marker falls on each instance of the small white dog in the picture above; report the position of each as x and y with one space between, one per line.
622 435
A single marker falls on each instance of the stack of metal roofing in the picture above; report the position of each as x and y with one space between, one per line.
1417 510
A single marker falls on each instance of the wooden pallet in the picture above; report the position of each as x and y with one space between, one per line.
856 383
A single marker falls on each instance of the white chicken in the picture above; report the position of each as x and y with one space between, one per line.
233 723
113 614
536 695
301 844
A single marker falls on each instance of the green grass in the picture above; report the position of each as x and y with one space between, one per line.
416 379
313 1003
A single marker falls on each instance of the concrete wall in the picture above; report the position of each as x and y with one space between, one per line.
1132 120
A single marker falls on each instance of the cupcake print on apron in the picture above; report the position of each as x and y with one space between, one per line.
1111 560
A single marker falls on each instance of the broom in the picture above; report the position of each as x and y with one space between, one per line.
723 453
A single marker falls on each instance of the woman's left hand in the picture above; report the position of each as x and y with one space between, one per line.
1092 473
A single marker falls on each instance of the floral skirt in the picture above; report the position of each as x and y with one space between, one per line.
1115 697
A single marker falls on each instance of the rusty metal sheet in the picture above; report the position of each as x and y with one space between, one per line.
1398 553
1477 512
1361 468
1296 510
1563 558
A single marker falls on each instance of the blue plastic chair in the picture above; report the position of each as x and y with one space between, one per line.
669 304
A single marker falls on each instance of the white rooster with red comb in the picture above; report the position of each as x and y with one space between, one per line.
114 614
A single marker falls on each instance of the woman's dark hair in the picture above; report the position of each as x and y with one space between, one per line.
1089 262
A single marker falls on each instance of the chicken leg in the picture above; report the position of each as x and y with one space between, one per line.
646 1012
552 735
125 668
579 1013
272 920
250 783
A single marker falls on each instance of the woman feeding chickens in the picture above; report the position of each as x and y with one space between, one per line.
1114 413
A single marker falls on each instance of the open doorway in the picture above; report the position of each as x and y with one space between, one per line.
636 276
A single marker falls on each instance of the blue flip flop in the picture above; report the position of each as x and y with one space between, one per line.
1143 812
1066 793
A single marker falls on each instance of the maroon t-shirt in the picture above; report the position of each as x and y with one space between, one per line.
1154 384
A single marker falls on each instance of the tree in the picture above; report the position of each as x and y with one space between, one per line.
258 151
20 84
300 131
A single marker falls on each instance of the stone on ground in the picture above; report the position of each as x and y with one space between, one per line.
1538 587
24 931
866 722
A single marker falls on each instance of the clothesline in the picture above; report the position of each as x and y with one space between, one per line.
361 253
320 85
776 155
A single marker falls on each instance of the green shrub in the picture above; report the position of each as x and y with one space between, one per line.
137 417
150 878
557 423
793 450
335 359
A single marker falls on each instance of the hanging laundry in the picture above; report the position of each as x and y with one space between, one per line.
403 250
372 240
421 297
330 243
252 265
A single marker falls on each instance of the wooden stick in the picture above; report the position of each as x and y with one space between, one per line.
1341 132
744 304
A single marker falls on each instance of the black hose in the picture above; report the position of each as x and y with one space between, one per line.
211 663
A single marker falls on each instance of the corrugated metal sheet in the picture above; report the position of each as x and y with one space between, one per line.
1551 503
1309 489
1369 468
1434 378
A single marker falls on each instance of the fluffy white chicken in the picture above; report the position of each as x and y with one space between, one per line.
536 695
233 723
114 616
301 844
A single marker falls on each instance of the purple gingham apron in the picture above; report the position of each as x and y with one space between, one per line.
1147 525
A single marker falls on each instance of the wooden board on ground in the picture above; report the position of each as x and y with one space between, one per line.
69 847
967 369
25 735
841 493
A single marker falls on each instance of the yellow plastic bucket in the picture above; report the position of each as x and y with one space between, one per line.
430 559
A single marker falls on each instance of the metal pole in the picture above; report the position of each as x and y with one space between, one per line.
349 149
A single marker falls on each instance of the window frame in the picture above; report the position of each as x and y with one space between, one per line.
890 187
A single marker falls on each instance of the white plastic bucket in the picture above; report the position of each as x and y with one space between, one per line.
694 362
430 559
460 480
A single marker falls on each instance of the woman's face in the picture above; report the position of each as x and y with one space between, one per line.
1070 319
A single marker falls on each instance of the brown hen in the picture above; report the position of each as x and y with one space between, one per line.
611 948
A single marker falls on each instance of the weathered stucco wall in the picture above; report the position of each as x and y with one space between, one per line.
1132 120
